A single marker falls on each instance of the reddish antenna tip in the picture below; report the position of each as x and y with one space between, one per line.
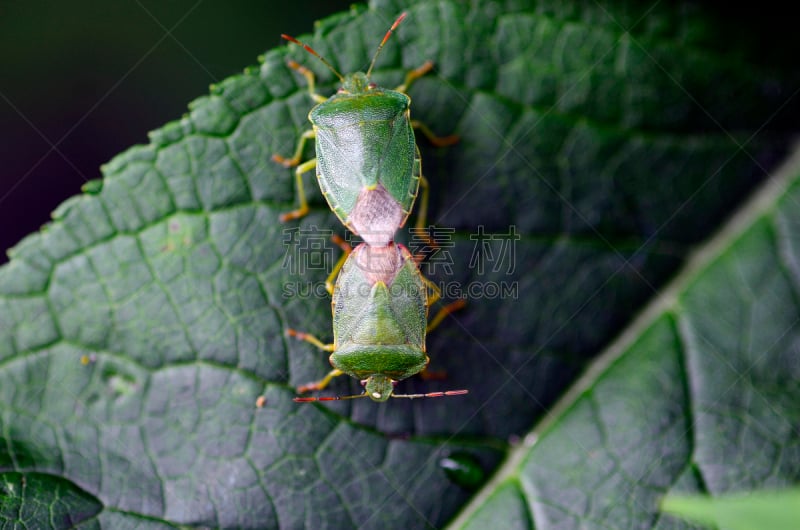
385 38
394 27
313 52
399 20
446 393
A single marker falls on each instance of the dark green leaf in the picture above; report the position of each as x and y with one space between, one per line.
140 326
699 396
31 499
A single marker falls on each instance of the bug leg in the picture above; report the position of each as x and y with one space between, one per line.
413 75
426 373
443 312
309 75
422 212
299 335
438 141
346 249
319 385
434 295
431 375
298 152
301 193
420 229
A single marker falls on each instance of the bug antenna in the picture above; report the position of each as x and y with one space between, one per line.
327 398
432 394
313 52
385 38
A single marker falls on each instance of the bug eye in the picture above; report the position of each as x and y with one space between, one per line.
363 382
372 85
340 90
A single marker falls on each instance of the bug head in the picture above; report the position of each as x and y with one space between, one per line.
379 387
356 83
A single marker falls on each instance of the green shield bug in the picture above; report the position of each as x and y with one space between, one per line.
367 162
380 321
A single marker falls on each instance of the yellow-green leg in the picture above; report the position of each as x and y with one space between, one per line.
299 335
420 227
346 249
301 193
413 75
434 295
311 339
319 385
438 141
322 383
298 152
309 75
433 324
443 312
422 211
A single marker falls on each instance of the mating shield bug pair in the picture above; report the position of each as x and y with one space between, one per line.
369 170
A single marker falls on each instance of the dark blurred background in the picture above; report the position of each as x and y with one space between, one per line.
81 81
